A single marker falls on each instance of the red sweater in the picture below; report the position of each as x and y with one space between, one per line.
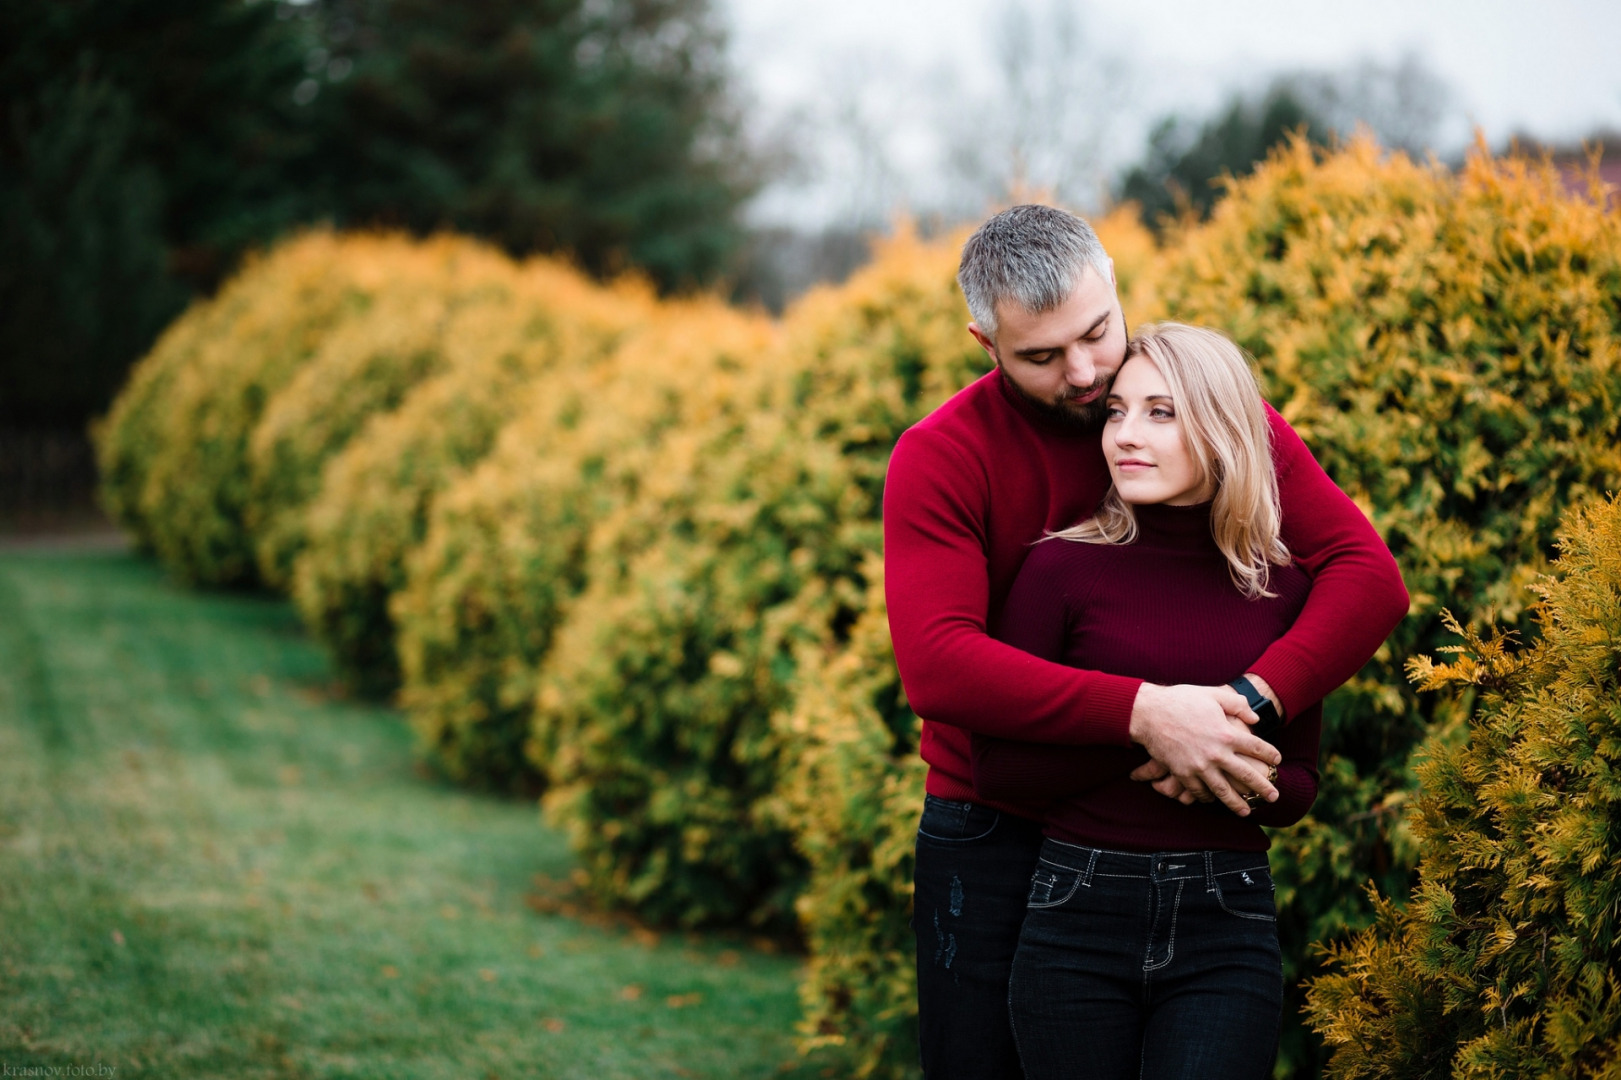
1163 608
976 482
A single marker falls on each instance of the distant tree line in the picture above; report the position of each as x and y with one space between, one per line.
1181 172
148 144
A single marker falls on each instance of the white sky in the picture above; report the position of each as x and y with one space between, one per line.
1551 68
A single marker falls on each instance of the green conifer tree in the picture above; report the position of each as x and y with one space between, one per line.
1506 959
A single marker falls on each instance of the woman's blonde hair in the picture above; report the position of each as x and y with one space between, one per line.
1225 425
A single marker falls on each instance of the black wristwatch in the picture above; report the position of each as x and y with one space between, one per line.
1270 726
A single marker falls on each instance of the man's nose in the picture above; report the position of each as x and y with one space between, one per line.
1079 368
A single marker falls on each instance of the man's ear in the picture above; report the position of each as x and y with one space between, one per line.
984 340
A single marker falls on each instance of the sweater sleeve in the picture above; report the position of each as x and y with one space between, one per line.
1037 620
1297 776
937 585
1357 596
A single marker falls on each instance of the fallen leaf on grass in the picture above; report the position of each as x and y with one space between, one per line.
537 951
644 937
682 1001
728 958
118 937
487 974
633 992
450 911
551 1023
390 971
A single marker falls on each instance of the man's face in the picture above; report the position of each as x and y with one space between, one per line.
1063 360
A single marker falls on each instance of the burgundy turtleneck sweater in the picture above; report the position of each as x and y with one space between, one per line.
1164 609
975 483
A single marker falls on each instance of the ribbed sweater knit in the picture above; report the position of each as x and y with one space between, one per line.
1162 608
975 483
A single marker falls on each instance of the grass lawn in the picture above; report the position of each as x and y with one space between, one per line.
210 868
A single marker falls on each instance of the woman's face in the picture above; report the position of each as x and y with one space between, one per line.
1144 442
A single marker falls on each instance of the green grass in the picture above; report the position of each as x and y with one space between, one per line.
209 868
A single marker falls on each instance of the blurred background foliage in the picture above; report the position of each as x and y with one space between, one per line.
150 144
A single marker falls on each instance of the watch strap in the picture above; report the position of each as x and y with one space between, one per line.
1270 724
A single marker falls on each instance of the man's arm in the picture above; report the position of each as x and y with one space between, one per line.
1357 596
937 585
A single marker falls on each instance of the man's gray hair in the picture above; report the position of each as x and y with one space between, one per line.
1033 255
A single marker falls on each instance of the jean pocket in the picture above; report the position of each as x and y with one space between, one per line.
1052 885
1247 894
953 822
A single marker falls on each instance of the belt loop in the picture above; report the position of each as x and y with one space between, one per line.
1091 864
1209 872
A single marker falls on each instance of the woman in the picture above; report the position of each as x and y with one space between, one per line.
1150 945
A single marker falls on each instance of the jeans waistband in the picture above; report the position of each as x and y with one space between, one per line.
1092 862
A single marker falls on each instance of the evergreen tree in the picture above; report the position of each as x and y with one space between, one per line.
148 144
1504 961
1184 164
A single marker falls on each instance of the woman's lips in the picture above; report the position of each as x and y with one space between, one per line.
1132 464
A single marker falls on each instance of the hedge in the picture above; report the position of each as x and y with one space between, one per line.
1448 346
173 450
364 365
1503 960
376 494
505 547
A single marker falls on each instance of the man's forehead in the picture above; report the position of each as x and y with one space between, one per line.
1092 299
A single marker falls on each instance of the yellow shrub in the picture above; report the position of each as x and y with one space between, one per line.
182 434
135 428
505 548
743 547
1450 347
375 495
851 796
365 365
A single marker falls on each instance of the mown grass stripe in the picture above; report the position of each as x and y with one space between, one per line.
211 867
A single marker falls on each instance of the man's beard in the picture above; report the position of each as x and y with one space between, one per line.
1069 411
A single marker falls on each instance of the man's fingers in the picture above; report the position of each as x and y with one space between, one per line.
1150 770
1234 704
1251 775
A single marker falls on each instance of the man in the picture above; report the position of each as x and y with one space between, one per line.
970 487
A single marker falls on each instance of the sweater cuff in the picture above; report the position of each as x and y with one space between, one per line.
1108 705
1291 678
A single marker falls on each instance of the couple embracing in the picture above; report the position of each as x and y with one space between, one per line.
1119 586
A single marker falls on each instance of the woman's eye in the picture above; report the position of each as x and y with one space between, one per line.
1162 414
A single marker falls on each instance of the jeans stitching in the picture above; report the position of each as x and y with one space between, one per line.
1051 903
1170 942
961 839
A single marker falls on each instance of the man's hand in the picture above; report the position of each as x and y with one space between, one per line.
1200 735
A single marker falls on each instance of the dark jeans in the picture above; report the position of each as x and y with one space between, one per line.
1157 966
972 879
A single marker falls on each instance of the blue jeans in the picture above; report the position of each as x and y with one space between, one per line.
1152 966
972 878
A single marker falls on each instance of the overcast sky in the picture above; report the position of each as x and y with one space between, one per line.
1551 68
